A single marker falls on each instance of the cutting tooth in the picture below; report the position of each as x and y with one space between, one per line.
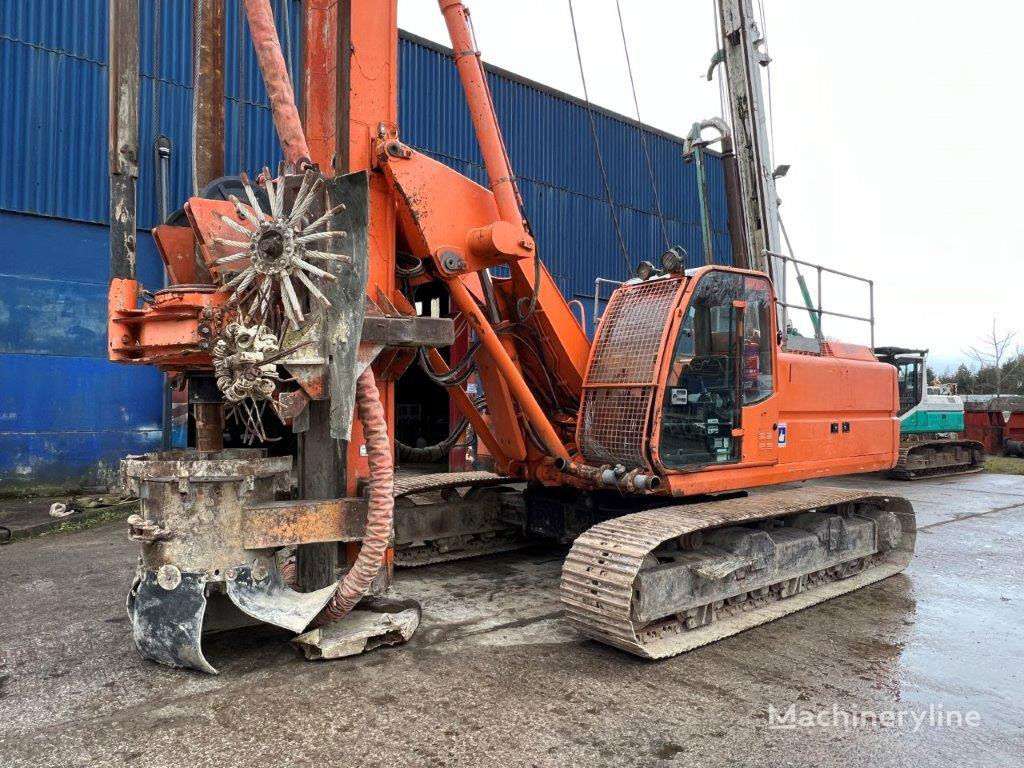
306 190
320 236
339 257
247 184
312 288
235 225
244 212
275 202
336 209
313 270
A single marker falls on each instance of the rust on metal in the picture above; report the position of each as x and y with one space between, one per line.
209 137
408 331
192 504
209 426
123 133
446 480
286 523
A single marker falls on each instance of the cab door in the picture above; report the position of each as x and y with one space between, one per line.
717 405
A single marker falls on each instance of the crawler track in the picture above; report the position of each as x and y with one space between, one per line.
599 577
473 541
938 458
408 485
459 548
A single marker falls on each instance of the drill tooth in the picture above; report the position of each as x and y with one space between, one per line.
251 195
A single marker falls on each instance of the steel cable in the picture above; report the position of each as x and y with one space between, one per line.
597 147
197 31
643 133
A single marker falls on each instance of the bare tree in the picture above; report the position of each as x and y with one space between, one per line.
995 350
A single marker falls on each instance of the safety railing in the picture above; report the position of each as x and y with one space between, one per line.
815 310
597 295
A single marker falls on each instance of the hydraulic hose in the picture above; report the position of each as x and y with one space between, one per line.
431 453
279 85
380 505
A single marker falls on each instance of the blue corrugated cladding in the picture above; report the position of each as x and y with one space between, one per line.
53 102
66 414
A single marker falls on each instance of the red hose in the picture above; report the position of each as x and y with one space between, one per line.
380 506
279 85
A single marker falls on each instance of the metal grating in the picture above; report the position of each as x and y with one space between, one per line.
615 415
628 343
614 425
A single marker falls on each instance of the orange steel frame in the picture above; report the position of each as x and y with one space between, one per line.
460 228
437 213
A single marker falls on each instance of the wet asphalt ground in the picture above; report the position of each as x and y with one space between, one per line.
494 676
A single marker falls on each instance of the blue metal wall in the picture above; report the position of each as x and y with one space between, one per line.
66 414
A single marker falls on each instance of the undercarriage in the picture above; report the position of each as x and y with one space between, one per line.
660 576
668 580
937 457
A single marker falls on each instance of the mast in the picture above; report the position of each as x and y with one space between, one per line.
742 54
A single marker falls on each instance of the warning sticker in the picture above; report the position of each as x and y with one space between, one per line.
782 435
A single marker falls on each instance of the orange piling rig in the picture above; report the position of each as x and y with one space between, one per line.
686 391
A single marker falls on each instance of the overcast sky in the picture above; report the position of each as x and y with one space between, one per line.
901 121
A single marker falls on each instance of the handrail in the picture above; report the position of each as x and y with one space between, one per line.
818 310
583 312
597 294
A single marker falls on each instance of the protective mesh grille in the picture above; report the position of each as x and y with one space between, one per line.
626 348
614 425
622 379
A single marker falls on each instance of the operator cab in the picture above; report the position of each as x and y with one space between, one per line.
721 361
910 372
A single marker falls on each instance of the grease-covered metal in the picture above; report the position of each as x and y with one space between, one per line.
194 561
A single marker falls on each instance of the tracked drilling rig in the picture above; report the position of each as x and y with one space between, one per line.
287 304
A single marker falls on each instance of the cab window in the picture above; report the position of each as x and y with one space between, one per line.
721 361
909 374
